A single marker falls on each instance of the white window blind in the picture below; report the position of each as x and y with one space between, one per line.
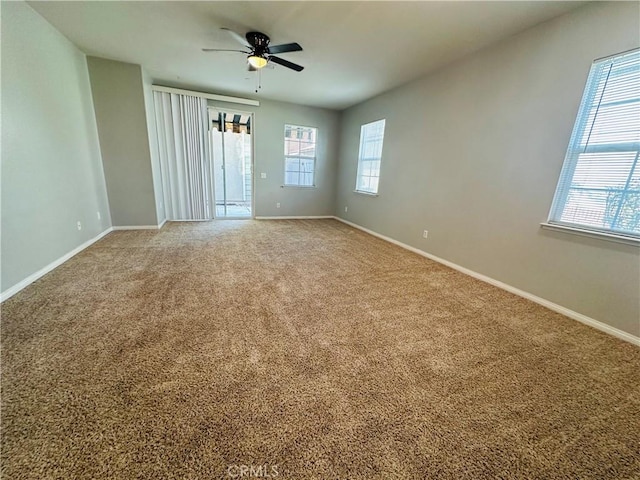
369 156
299 155
599 186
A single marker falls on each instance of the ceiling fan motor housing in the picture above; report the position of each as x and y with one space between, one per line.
259 41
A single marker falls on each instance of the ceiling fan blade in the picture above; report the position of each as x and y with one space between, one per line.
286 47
286 63
222 50
239 38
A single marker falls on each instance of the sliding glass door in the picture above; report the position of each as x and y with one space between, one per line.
231 147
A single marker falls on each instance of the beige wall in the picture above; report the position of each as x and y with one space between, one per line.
119 101
270 119
51 168
473 153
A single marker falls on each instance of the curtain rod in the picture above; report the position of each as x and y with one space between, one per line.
210 96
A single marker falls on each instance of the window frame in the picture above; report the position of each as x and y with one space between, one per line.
299 157
586 119
375 159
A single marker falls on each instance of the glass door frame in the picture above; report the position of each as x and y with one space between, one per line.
217 109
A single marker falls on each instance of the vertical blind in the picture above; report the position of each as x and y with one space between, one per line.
182 125
369 156
599 187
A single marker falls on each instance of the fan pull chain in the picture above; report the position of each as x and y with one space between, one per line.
259 80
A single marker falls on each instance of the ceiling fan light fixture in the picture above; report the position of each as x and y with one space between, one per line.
257 61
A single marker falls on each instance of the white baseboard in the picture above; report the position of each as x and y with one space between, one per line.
296 217
521 293
138 227
161 224
9 292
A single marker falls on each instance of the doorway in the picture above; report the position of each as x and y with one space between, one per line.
231 150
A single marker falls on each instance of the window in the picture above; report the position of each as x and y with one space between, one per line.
371 136
299 155
599 187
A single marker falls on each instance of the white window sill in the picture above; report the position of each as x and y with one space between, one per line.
368 194
611 237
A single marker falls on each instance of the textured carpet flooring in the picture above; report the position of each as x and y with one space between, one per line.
307 349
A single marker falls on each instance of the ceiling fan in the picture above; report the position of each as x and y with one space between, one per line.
259 52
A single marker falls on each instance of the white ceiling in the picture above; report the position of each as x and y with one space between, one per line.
352 50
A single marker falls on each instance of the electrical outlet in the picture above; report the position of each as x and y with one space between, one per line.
346 209
99 216
278 205
425 233
79 224
263 175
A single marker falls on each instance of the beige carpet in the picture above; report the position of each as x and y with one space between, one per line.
305 349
